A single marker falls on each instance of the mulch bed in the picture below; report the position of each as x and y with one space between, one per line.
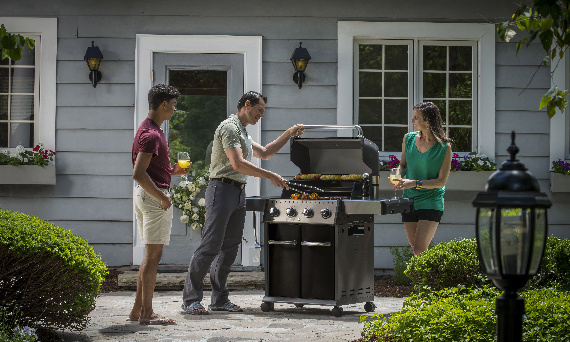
384 285
111 282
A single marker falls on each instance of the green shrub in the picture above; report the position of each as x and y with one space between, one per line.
461 314
48 275
554 270
447 264
401 256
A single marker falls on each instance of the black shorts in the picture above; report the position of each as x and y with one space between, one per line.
422 214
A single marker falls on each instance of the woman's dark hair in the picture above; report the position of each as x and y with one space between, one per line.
253 98
431 114
160 93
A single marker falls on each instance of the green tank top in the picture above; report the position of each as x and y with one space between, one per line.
424 166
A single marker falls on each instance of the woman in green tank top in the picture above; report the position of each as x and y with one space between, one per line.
425 167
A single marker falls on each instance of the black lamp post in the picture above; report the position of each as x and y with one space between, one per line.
93 57
511 228
300 59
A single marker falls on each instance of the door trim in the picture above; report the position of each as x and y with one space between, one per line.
147 44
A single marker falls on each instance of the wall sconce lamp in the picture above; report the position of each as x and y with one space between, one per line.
93 57
300 59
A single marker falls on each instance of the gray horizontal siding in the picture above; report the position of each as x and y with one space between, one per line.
103 117
94 163
94 127
75 209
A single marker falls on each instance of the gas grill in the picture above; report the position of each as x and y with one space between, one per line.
320 251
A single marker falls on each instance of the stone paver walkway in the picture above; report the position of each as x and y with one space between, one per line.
286 323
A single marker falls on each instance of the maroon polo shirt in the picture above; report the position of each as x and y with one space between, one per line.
150 139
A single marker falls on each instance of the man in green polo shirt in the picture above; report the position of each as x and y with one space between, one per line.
230 166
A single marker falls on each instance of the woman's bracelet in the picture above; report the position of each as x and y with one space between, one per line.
418 184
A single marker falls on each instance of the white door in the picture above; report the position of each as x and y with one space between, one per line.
150 46
210 87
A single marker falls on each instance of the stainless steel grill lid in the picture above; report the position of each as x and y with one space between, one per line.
338 155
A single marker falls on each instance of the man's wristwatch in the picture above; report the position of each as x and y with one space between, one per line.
418 184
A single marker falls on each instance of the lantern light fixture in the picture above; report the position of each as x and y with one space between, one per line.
511 229
93 57
300 58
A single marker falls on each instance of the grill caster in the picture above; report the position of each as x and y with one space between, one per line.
266 307
299 305
337 311
369 307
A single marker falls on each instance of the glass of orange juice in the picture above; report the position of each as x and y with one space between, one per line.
184 160
395 177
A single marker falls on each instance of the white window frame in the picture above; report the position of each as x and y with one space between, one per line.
46 29
484 34
474 96
560 123
410 44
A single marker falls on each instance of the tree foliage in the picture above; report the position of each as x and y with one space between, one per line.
547 21
11 45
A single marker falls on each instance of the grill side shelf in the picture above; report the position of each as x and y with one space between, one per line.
379 207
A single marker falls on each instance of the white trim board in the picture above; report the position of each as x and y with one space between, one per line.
146 45
348 31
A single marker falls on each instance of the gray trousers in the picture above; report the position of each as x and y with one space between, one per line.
221 237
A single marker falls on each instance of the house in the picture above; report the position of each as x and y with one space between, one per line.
366 55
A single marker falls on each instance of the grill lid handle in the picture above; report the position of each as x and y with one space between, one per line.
356 127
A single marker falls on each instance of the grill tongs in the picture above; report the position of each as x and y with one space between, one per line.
297 185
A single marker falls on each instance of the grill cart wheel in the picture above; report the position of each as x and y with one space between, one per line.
266 307
337 311
369 307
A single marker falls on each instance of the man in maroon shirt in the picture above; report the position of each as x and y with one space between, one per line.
152 201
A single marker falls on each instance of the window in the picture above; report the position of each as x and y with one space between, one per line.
28 86
19 99
396 65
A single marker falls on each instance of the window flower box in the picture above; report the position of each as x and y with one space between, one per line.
559 182
467 180
27 174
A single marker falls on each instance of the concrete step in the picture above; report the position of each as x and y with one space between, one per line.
169 281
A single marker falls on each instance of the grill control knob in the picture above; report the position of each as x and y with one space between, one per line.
308 212
326 213
274 212
291 212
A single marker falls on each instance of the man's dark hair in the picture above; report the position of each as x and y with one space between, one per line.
160 93
253 98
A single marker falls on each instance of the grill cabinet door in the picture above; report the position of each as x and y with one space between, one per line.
284 254
318 261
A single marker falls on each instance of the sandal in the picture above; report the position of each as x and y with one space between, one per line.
194 309
228 306
159 321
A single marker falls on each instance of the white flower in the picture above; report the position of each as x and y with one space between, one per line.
192 197
191 187
6 152
183 184
202 202
480 162
20 149
195 217
194 209
484 156
25 160
196 226
187 206
184 218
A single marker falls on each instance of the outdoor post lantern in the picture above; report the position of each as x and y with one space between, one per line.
93 57
300 59
511 228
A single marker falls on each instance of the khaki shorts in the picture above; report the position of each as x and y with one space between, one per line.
153 222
